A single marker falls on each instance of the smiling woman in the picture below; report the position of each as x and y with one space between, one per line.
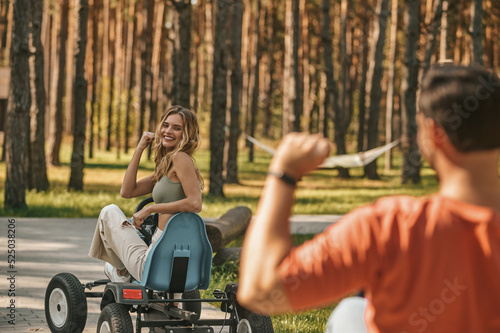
175 184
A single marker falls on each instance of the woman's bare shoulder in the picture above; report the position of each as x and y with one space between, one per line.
182 158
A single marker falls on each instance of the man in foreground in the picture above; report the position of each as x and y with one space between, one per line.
426 264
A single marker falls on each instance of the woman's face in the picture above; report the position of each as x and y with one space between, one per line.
171 130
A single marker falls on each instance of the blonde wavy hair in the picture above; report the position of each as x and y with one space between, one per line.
188 143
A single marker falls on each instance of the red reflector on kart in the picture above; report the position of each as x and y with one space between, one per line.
132 294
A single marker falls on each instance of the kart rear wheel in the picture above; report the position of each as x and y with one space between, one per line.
114 318
65 304
251 322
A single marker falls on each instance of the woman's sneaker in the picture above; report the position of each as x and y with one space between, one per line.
112 274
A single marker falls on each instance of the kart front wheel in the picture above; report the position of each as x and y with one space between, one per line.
114 318
65 304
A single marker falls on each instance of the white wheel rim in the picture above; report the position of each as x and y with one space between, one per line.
244 327
105 327
58 307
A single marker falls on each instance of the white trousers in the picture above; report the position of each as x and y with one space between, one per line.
348 316
117 242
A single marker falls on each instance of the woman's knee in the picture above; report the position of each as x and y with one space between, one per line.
112 215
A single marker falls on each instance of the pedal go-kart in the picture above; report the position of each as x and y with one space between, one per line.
179 263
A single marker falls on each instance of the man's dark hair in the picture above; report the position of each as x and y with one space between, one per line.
465 102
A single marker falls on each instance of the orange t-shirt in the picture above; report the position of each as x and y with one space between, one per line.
426 265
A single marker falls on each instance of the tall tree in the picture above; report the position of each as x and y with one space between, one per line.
391 60
363 64
18 108
272 18
411 156
219 101
57 114
477 31
234 126
375 72
255 78
37 171
332 94
443 39
292 105
432 31
80 93
181 61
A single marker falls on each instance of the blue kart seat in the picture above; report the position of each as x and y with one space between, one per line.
181 259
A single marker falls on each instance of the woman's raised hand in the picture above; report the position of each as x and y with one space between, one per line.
300 153
145 140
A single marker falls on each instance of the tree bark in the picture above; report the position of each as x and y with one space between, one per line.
181 66
234 127
129 65
375 72
389 111
17 125
292 107
219 102
411 155
37 170
443 42
271 82
477 31
254 81
80 93
57 125
96 64
363 64
432 32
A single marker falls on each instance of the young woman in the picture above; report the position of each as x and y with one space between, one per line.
175 184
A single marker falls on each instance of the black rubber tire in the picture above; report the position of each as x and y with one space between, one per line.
65 304
117 318
192 306
258 323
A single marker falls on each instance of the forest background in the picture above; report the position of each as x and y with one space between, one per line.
98 73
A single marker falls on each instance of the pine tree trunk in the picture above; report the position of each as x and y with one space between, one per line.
18 122
340 104
219 102
111 91
391 60
411 155
37 171
96 64
375 72
209 42
58 114
8 33
291 87
234 127
271 82
69 71
182 69
432 36
477 31
254 82
129 65
80 93
443 42
118 74
363 64
139 51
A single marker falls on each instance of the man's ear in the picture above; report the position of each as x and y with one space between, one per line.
438 133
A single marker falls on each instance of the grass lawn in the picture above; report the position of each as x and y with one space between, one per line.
319 193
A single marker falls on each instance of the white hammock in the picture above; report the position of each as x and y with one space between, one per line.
341 161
